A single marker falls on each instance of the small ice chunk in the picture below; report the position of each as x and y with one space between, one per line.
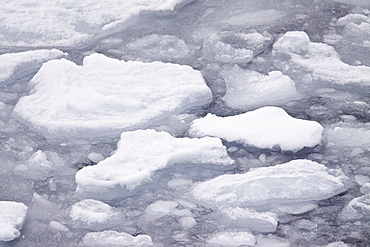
91 211
297 181
266 127
305 224
106 96
9 62
12 218
95 157
231 239
2 105
263 222
365 3
179 183
340 243
352 18
39 159
357 208
111 238
58 226
141 153
246 88
299 208
188 222
162 208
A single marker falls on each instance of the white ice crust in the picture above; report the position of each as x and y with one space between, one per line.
141 153
110 238
246 88
12 218
105 96
266 127
294 182
320 60
9 62
66 23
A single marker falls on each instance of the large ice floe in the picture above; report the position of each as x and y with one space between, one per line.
267 127
12 218
294 182
141 153
105 96
297 56
68 22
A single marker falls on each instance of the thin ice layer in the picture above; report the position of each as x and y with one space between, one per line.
105 96
9 62
12 217
296 54
294 182
66 23
141 153
266 127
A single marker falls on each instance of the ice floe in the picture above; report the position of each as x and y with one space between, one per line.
267 127
294 182
105 96
12 218
231 239
141 153
112 238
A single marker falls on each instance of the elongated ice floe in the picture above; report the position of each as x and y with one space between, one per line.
10 62
111 238
12 218
67 23
294 182
141 153
296 54
266 127
105 96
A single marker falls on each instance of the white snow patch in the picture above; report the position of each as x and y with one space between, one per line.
12 218
111 238
266 127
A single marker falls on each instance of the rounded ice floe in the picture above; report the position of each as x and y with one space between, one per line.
266 127
105 96
91 211
298 57
230 239
68 22
10 62
246 88
12 218
112 238
141 153
294 182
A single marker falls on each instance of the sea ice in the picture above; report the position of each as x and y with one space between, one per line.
358 208
231 239
294 182
266 127
141 153
54 23
105 96
12 218
350 135
10 62
246 88
296 55
112 238
355 2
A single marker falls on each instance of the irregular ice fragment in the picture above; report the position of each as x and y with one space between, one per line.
357 208
112 238
294 182
230 239
12 218
141 153
106 96
266 127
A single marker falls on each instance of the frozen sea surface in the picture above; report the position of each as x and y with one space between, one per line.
185 123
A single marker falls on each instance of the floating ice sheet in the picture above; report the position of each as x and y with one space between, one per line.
141 153
112 238
106 96
266 127
12 217
293 182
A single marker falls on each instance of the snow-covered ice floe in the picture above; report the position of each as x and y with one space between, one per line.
267 127
67 23
141 153
296 55
231 239
294 182
12 218
10 62
105 96
110 238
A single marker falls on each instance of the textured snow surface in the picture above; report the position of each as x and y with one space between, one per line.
320 60
105 96
246 88
293 182
12 218
266 127
141 153
66 23
112 238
